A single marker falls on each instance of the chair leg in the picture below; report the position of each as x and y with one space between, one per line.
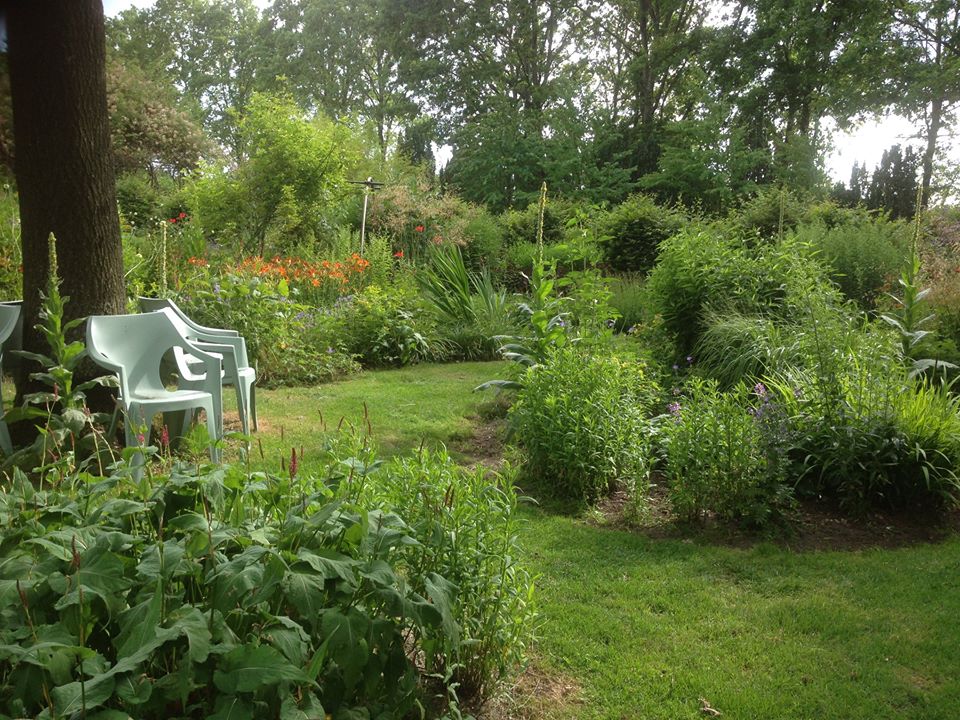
212 430
253 405
133 423
243 408
5 444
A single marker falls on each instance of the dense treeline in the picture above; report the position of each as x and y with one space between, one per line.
691 100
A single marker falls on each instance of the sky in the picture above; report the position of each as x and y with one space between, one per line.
863 145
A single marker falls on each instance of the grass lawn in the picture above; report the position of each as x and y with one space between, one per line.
653 628
647 627
432 404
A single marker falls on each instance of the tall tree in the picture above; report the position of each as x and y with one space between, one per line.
650 52
64 164
925 36
209 48
790 63
337 57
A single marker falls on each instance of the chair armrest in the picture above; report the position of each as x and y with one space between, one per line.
226 353
235 345
211 364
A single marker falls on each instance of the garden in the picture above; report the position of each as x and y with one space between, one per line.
675 436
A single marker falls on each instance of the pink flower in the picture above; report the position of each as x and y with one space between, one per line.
419 228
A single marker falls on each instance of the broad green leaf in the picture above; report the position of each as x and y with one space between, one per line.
231 707
442 593
329 564
190 621
289 638
72 698
139 624
305 591
251 667
347 635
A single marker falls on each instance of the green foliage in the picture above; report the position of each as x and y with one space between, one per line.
67 437
633 230
289 343
520 226
867 435
771 213
292 175
11 273
387 327
628 299
213 594
581 421
862 256
710 266
472 312
724 453
467 523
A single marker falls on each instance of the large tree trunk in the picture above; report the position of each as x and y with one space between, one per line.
64 166
934 123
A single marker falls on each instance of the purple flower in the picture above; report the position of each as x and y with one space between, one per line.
689 359
329 351
674 409
760 390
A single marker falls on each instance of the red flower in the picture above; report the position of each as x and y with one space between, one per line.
419 228
172 220
181 216
398 254
293 463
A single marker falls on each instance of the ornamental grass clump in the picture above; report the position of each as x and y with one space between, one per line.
582 423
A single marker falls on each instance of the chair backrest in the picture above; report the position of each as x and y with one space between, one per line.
132 346
148 304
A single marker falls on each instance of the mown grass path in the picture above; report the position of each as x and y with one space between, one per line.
675 628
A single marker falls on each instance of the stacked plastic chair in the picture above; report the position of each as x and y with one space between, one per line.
226 344
132 346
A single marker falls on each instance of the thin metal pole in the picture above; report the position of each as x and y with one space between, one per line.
363 223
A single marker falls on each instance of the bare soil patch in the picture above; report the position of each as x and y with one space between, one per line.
535 694
812 526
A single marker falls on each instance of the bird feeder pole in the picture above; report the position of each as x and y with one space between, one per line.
368 185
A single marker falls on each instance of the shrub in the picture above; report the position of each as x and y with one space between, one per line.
471 311
633 230
712 267
581 422
861 257
723 453
520 226
772 212
628 299
387 328
867 435
289 343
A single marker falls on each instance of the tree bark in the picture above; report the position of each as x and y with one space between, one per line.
64 164
933 131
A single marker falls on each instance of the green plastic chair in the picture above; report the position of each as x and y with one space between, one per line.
10 320
132 346
228 344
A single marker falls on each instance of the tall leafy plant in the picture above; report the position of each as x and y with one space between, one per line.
66 425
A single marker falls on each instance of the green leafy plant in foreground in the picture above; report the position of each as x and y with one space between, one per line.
68 431
223 593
